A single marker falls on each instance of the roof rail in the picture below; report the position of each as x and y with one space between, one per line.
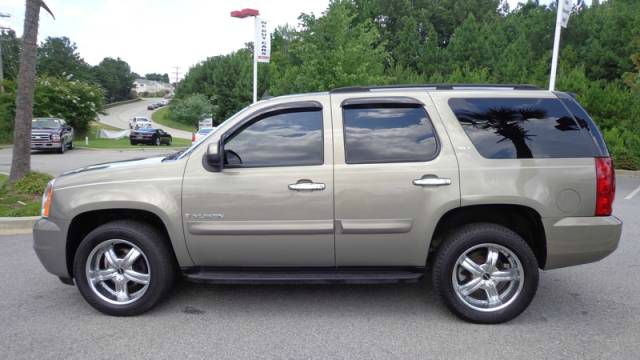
435 87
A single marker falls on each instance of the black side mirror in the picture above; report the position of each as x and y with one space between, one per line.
213 158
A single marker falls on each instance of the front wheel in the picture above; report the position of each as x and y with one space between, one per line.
124 268
485 273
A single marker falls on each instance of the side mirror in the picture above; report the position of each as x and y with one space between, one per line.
213 159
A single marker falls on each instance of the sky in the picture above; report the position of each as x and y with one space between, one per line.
158 35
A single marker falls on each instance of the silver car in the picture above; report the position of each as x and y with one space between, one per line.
479 186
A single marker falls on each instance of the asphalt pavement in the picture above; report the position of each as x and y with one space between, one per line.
120 115
585 312
55 164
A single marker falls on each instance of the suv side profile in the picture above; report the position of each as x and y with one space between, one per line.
484 185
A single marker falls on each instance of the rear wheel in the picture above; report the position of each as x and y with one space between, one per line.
485 273
124 268
157 141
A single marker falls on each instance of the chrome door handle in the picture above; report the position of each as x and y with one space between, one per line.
431 180
306 185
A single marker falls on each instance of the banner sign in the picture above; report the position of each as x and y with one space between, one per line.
262 49
566 12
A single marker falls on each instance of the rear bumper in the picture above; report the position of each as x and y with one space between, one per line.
580 240
50 245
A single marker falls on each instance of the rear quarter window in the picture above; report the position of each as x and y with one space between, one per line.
512 128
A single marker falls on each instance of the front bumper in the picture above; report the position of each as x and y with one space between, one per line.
46 146
50 245
580 240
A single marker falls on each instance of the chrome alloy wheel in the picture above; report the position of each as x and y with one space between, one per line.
118 272
488 277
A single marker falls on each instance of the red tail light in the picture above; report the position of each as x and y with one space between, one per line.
193 137
605 186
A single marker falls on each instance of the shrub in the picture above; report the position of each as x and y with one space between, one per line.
190 109
33 183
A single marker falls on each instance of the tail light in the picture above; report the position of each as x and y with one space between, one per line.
605 186
193 137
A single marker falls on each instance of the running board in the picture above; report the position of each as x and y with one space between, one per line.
301 276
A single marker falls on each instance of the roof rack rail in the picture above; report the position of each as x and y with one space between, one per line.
435 87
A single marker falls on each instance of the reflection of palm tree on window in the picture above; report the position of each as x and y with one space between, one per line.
508 123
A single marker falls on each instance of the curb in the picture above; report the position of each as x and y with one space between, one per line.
633 173
17 225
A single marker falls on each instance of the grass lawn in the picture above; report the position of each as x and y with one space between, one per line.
24 196
96 143
161 116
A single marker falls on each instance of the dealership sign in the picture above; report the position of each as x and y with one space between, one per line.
263 41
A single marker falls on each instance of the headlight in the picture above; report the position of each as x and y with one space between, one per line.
47 197
55 137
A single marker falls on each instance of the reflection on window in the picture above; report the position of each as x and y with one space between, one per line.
377 134
522 128
284 139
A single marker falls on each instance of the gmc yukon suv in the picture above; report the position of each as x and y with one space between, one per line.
482 185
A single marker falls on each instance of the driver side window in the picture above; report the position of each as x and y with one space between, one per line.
288 138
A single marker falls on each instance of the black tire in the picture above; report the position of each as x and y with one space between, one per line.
71 145
465 238
152 243
133 143
157 141
63 147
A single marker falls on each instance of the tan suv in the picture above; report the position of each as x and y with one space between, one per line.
483 185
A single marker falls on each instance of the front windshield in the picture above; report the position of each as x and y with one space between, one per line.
45 124
182 154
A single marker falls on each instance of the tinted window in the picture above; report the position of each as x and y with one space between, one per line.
376 134
585 122
283 139
522 128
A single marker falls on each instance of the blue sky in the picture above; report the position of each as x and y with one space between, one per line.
156 35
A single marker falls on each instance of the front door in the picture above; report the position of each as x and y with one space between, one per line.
396 174
272 204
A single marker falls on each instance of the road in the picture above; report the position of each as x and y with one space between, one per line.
119 117
585 312
55 164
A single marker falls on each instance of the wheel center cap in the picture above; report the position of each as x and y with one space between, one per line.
486 276
120 271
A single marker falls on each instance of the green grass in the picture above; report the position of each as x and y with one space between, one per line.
97 143
23 197
161 116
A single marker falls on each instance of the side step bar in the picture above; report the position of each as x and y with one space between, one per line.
301 276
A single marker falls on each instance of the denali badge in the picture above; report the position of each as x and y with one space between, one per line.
204 217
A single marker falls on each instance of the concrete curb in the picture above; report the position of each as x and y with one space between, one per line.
633 173
124 102
17 225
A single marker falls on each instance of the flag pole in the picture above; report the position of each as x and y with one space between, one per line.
255 60
556 46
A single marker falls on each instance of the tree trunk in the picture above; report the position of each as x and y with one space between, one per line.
21 161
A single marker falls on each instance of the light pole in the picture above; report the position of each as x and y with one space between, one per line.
241 14
3 15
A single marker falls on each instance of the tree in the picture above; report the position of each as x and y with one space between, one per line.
115 77
58 56
21 159
157 77
10 54
190 109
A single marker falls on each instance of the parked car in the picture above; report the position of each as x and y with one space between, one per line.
51 134
484 185
152 106
201 133
139 122
150 136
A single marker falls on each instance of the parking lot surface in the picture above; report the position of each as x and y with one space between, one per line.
585 312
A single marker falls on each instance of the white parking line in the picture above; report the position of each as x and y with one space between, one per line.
633 193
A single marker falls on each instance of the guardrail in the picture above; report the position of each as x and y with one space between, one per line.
110 105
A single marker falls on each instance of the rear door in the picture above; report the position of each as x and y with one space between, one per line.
395 176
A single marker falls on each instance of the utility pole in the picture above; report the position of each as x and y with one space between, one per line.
2 15
177 73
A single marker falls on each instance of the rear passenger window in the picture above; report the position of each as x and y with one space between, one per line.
522 128
388 133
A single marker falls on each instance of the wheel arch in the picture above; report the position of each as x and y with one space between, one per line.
523 220
83 223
